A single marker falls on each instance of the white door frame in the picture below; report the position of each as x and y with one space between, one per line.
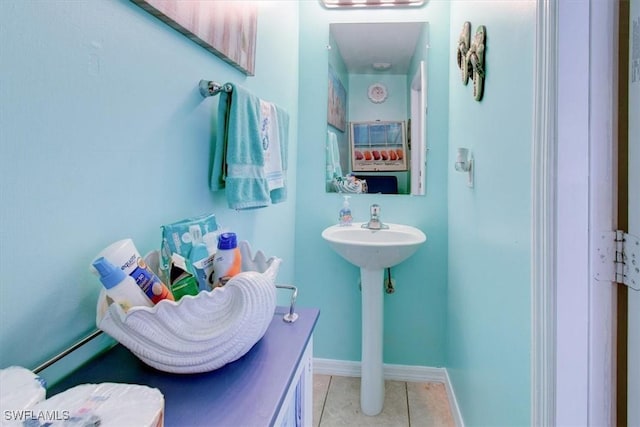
418 134
573 172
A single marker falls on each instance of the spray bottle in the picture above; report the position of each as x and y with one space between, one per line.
121 287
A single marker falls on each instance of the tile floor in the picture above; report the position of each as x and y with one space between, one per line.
336 402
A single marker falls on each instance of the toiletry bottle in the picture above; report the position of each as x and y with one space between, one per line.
200 259
228 261
120 287
158 290
344 216
124 255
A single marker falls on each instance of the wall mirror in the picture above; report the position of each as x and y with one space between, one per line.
376 108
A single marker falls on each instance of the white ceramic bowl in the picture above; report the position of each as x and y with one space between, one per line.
199 333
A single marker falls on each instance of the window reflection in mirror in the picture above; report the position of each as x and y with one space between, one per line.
377 86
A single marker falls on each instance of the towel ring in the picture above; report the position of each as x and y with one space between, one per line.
211 88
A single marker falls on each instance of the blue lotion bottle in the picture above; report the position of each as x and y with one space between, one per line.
344 217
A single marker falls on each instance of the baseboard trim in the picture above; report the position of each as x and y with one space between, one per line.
342 368
347 368
453 402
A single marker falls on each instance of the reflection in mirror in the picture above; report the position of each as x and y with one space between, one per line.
376 109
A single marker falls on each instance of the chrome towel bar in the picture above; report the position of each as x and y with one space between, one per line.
211 88
69 350
291 316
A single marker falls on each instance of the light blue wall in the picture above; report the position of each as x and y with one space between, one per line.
394 107
415 325
419 56
489 329
104 135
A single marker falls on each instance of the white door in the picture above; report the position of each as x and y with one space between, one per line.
633 360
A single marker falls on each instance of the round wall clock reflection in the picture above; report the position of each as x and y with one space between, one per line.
377 93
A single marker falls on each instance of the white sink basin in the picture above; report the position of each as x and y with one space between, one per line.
374 250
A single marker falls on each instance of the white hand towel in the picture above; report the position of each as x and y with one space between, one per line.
270 138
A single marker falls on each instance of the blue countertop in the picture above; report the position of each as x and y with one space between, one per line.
247 392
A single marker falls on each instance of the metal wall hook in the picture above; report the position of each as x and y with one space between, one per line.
464 163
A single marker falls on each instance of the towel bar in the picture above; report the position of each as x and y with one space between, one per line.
211 88
68 351
292 316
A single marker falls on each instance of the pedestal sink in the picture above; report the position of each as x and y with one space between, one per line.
373 251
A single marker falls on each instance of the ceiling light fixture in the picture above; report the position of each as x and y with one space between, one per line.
381 66
370 3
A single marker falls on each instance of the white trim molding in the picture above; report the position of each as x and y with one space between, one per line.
543 238
347 368
453 402
408 373
584 320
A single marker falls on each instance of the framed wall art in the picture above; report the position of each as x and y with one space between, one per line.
378 146
226 28
337 102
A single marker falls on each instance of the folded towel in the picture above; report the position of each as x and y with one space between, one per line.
270 138
252 174
279 195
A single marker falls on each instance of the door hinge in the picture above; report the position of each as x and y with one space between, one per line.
618 259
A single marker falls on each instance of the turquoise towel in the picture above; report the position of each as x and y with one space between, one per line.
334 170
238 160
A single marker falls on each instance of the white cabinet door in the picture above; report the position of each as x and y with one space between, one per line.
297 408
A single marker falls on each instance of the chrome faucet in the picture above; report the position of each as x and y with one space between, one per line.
374 222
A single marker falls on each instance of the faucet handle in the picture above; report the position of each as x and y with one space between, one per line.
375 209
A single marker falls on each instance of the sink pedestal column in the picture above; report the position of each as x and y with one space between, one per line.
372 377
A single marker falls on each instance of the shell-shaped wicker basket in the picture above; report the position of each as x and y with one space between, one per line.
204 332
